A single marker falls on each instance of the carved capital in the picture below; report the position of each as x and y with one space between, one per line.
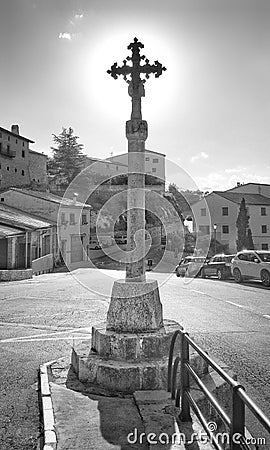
136 129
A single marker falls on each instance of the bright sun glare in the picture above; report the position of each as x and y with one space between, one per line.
111 96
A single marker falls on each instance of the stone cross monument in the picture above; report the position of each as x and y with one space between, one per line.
130 351
136 133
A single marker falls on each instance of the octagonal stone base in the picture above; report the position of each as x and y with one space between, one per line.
135 307
134 346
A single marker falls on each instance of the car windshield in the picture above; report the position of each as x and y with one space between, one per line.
197 260
229 258
265 257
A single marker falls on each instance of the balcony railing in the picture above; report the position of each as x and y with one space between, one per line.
7 152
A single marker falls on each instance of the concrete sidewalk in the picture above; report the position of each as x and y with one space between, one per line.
82 419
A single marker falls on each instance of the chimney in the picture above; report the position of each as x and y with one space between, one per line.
15 129
74 200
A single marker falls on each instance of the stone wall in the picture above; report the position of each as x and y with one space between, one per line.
38 167
15 170
15 275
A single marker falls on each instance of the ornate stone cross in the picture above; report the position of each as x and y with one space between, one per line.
136 133
132 75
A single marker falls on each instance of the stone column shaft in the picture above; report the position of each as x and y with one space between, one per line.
136 133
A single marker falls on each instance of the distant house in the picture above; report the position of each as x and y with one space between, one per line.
25 238
222 207
72 217
19 165
154 164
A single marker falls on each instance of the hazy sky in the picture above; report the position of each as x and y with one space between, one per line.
210 112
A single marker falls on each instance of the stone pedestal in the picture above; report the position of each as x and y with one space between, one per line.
130 351
135 307
125 362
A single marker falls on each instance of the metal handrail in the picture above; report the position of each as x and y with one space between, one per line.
240 399
208 394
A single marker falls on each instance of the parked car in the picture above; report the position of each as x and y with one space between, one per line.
252 264
218 266
190 266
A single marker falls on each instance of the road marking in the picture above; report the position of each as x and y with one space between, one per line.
198 292
60 338
37 336
236 304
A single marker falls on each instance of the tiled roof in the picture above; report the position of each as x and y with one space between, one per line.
38 153
152 151
18 136
6 231
248 184
15 218
250 199
49 197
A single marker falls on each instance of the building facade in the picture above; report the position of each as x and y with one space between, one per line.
217 213
25 240
71 216
19 165
154 164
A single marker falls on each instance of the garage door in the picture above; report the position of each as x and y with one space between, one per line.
76 249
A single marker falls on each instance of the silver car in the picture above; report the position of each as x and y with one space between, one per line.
252 264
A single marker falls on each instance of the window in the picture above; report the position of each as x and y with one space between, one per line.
225 211
23 154
0 146
154 169
147 158
264 228
225 229
7 167
8 138
15 170
16 141
203 212
23 144
8 149
23 173
2 199
243 256
263 211
72 219
155 160
63 218
264 246
0 135
84 219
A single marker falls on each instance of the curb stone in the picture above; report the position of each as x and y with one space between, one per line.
50 440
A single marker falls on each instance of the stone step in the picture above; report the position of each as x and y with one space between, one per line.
135 347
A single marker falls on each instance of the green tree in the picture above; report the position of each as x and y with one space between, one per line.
244 235
67 160
250 243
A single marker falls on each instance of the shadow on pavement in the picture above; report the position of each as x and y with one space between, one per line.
97 421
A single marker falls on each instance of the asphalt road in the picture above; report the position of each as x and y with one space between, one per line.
41 318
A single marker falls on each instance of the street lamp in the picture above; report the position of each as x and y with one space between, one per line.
215 237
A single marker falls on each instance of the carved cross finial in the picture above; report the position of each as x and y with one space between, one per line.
132 73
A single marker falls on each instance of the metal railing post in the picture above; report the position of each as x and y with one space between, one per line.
184 377
237 428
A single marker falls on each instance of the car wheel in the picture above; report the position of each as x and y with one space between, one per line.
220 274
265 277
178 274
237 276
